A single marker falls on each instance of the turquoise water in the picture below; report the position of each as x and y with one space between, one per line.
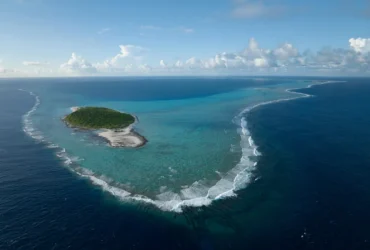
199 148
309 190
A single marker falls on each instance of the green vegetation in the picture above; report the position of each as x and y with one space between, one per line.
98 118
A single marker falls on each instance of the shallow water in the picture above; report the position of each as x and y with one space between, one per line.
199 147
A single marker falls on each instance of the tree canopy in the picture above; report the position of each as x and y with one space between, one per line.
98 118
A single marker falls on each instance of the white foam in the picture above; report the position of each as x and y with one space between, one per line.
27 122
53 146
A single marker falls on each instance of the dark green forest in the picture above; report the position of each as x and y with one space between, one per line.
98 118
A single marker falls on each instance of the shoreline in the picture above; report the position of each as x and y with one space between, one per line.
117 138
125 137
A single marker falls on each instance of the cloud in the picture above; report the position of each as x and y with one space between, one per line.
128 55
129 50
361 45
144 68
257 9
179 64
34 63
162 64
77 65
194 63
283 59
7 71
3 70
36 71
102 31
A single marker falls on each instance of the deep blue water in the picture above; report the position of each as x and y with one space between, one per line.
313 190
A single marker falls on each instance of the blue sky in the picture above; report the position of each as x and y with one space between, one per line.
38 37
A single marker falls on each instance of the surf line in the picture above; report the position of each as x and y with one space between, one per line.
245 131
28 125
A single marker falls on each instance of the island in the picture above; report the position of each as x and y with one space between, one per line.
114 126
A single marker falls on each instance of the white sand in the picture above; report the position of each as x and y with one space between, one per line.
123 137
126 137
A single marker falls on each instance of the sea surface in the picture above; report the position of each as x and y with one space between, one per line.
231 163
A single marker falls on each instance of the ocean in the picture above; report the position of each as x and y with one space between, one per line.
231 163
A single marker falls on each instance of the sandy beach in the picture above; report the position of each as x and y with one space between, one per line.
126 137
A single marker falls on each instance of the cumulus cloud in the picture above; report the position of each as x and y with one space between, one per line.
179 64
77 65
145 68
254 57
194 63
127 60
285 58
127 51
361 45
162 64
257 9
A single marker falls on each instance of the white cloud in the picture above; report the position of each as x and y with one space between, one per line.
162 64
104 30
77 65
285 52
7 71
261 62
129 57
179 64
254 9
145 68
128 51
194 63
284 59
361 45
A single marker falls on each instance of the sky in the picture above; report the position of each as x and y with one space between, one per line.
184 37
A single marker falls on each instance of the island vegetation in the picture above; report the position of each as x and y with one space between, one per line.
98 118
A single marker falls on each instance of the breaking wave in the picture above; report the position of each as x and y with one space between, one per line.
28 127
